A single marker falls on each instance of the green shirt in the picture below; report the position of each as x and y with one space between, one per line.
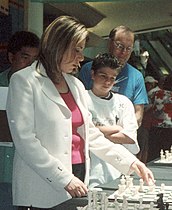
4 78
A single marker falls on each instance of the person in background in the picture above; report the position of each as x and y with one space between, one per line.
144 56
129 81
151 86
22 50
161 130
52 128
112 113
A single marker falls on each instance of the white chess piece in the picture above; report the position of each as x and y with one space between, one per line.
104 201
141 185
166 155
141 206
121 189
94 196
151 205
162 156
89 194
162 187
116 204
125 203
131 182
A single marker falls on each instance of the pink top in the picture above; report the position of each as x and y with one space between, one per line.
77 121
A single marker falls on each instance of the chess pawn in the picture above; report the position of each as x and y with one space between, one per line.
134 191
135 206
125 203
141 206
141 185
116 204
131 182
162 187
151 206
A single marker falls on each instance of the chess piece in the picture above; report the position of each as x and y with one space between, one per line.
116 204
151 206
162 156
94 199
162 187
166 206
121 188
166 155
89 195
125 203
160 202
141 203
134 191
152 186
131 182
104 201
141 185
122 180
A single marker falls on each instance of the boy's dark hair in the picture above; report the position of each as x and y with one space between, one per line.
22 39
105 60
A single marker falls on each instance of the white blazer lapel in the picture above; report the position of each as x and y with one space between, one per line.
48 87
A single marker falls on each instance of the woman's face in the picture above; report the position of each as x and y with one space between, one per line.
72 57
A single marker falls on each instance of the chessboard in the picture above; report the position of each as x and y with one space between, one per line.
131 194
134 193
165 158
147 195
113 206
152 195
100 201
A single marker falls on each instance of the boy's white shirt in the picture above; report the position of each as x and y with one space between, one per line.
119 110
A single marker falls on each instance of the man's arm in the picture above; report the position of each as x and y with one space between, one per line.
139 110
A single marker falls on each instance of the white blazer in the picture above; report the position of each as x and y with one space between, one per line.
40 124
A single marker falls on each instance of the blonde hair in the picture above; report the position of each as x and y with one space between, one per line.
56 39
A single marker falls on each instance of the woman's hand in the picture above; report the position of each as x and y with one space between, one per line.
76 188
143 172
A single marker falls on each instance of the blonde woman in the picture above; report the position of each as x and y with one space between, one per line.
52 128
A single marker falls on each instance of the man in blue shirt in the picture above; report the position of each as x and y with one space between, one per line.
130 81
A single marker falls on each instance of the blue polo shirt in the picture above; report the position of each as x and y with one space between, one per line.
129 82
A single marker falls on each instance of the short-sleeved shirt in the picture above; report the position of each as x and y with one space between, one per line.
4 82
118 110
130 82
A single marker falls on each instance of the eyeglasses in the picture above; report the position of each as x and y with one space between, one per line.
121 47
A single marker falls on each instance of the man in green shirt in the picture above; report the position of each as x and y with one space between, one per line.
22 51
